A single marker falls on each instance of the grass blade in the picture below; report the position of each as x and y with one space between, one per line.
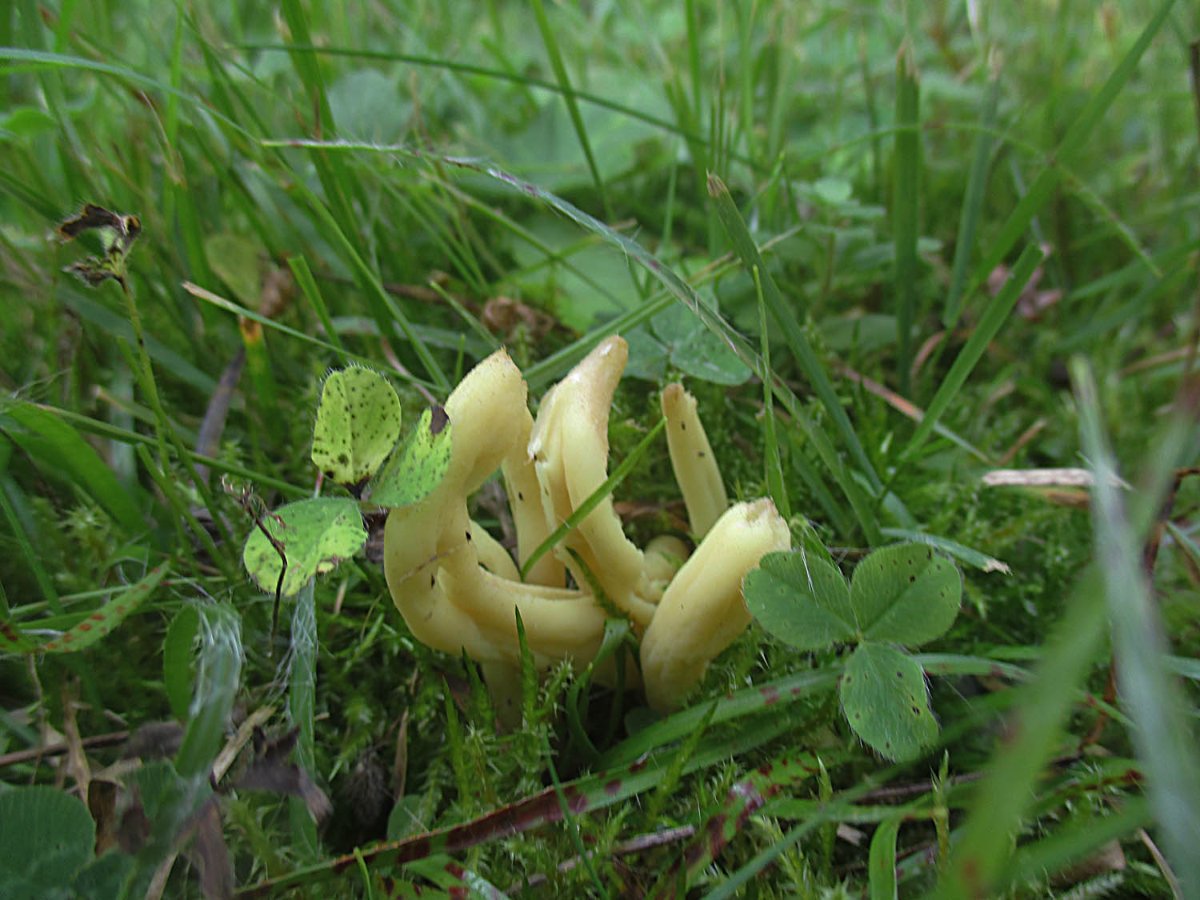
268 323
905 201
972 207
56 446
387 313
550 41
308 287
137 439
1047 179
307 66
118 327
1003 798
218 671
99 624
583 795
696 140
678 288
744 799
776 486
568 818
968 555
881 864
989 325
836 810
177 660
781 311
302 693
1162 732
12 504
1070 845
779 693
680 725
36 60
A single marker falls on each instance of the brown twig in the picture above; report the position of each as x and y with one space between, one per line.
1021 442
1159 359
77 761
212 426
1163 866
884 393
95 742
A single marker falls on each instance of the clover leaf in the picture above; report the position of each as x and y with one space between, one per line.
905 594
885 700
418 467
358 422
309 537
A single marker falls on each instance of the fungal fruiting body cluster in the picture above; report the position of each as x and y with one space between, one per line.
459 589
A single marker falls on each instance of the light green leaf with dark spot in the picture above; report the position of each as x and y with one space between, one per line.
905 594
801 600
419 467
315 535
885 700
14 640
358 423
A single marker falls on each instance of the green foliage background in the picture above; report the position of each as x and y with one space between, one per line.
810 211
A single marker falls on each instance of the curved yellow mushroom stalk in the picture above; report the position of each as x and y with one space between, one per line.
702 611
525 501
692 460
460 591
432 554
569 447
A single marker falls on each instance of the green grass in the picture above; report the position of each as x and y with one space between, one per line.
789 204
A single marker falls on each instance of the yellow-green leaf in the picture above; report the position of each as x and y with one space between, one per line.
358 423
314 535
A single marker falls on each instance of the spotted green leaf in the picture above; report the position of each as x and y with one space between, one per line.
905 594
801 599
100 623
14 640
314 535
419 466
885 700
358 423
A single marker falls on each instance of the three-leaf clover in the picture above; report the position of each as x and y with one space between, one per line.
899 595
356 428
